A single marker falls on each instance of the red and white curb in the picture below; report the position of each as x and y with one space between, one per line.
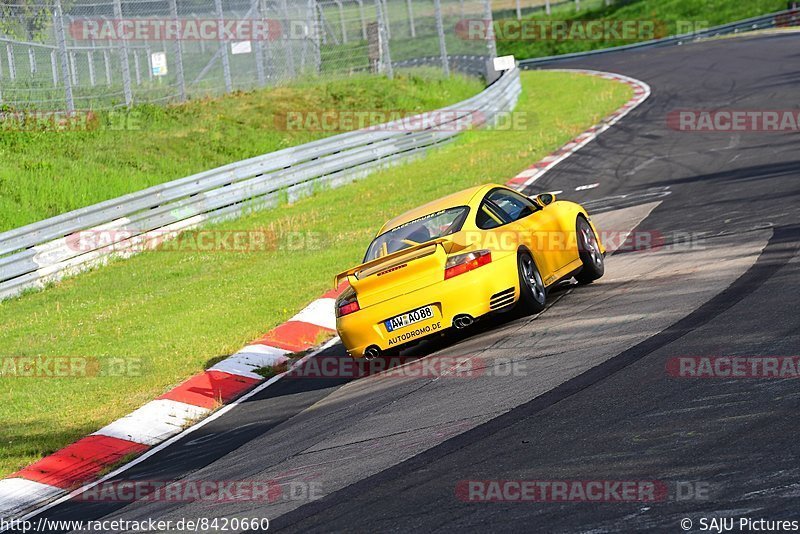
84 461
641 91
159 423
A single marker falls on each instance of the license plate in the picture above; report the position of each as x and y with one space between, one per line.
408 318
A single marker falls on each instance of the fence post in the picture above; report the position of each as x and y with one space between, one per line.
411 27
136 67
386 23
226 65
58 24
386 55
491 47
90 61
126 70
342 22
32 60
437 6
12 66
73 68
54 67
255 8
519 11
316 35
547 6
178 44
148 59
107 65
287 34
363 19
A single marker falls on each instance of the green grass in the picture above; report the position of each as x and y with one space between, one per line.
44 173
666 14
178 312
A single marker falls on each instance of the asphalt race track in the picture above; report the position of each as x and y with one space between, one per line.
591 398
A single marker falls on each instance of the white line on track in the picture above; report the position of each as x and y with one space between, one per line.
585 187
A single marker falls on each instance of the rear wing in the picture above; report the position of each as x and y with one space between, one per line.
387 262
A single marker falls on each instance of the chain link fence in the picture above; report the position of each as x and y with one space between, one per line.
103 54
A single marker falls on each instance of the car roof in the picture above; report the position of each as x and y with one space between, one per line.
462 198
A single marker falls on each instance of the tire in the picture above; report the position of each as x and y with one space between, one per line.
532 293
589 252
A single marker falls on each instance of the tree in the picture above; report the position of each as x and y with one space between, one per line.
25 19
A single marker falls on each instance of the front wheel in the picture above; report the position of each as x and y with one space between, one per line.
589 252
532 293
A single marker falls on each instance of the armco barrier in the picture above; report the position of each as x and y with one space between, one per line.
33 255
773 20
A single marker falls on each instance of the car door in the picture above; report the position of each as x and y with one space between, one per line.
538 229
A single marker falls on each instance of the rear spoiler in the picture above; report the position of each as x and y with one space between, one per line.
341 277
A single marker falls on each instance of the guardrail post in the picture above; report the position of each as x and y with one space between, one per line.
437 6
178 46
223 50
126 69
58 25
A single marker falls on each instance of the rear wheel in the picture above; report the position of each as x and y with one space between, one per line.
589 251
533 294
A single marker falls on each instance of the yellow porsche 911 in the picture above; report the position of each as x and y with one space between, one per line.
449 262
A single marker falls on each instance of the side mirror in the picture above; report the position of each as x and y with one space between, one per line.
545 199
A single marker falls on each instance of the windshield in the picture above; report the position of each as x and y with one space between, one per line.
438 224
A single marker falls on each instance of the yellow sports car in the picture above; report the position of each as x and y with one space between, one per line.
458 258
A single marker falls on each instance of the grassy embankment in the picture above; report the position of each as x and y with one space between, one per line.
669 17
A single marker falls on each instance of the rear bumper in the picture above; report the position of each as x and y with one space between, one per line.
470 293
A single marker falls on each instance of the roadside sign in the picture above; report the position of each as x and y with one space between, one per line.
158 61
241 47
504 63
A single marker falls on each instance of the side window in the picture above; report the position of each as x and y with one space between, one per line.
501 207
490 215
514 205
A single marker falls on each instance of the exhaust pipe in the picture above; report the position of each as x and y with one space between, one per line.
371 353
462 321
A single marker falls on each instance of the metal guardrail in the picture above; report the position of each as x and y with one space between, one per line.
45 251
781 18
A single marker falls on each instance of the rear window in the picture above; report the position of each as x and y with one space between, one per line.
432 226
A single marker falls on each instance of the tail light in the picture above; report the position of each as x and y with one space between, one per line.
347 303
466 262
